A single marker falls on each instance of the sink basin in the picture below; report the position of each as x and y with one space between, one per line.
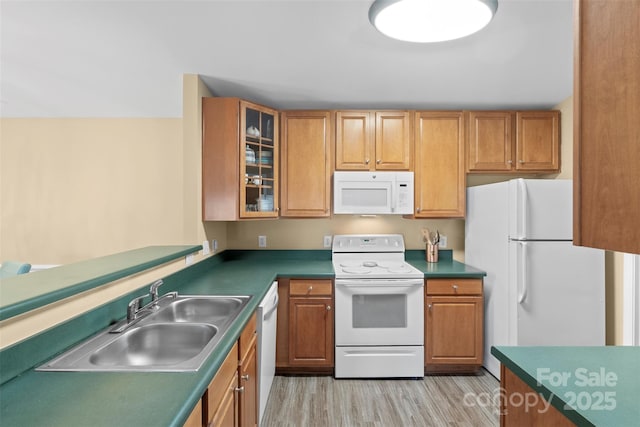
159 344
177 336
211 310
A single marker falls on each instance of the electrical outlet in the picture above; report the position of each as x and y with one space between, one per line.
262 241
189 259
205 248
327 241
214 244
443 241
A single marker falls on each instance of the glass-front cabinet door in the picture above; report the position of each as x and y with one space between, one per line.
259 164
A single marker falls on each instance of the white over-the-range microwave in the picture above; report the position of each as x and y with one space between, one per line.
375 193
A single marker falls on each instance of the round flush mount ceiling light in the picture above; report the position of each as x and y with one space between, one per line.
431 20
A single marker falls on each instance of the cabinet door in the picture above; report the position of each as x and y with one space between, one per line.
249 389
226 414
490 141
537 141
439 165
221 401
606 127
354 136
393 140
305 157
311 331
453 330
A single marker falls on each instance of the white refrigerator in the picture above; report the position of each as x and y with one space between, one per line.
539 288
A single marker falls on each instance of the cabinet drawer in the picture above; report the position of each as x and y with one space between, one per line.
454 287
310 287
247 337
220 384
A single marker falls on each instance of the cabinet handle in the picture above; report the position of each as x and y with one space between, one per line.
455 287
418 210
520 161
509 161
239 389
245 377
378 161
429 307
310 289
366 162
328 308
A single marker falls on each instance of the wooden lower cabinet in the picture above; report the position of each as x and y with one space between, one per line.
305 335
247 375
454 313
530 415
195 418
231 398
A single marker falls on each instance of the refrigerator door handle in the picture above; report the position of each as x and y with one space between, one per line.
523 208
523 271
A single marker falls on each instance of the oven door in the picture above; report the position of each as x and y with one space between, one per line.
379 312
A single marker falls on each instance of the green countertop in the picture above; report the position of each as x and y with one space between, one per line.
599 385
26 292
161 399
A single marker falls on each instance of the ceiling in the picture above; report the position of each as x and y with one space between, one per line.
90 58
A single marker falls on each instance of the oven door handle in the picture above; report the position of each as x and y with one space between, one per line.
355 283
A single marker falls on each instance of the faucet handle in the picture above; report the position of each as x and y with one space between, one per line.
153 290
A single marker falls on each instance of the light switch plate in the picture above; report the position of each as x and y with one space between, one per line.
443 241
327 241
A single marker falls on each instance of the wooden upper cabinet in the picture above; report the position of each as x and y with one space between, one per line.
490 141
538 140
440 184
518 142
306 163
606 126
393 140
240 156
373 140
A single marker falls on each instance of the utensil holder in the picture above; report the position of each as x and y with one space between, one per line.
432 253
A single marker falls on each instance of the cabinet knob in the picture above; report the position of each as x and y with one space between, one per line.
310 288
455 287
429 307
245 377
328 308
509 161
239 389
418 210
378 161
520 161
366 161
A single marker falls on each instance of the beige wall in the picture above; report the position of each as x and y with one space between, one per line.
74 189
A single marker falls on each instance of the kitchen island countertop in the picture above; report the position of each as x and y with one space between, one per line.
114 398
591 386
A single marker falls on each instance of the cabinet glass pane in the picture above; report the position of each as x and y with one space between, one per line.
259 173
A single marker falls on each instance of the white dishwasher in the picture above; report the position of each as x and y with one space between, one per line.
267 319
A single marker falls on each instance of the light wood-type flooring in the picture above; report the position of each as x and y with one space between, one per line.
433 401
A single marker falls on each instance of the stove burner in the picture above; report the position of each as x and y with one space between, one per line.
370 264
399 269
356 270
350 264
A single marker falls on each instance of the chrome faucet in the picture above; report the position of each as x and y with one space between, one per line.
134 307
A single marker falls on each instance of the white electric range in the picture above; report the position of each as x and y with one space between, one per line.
379 299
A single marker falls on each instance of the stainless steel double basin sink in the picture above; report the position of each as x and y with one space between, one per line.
174 335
